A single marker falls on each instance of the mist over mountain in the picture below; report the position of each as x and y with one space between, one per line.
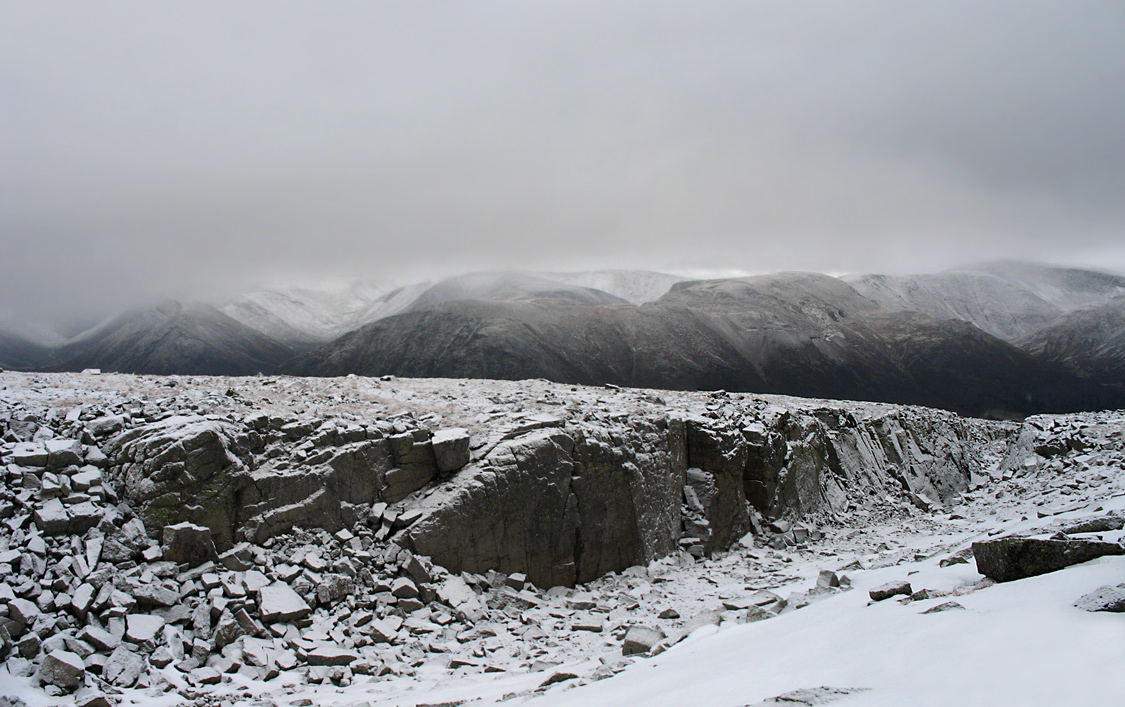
173 338
796 333
20 353
1089 342
1000 339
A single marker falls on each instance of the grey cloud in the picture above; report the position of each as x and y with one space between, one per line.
188 150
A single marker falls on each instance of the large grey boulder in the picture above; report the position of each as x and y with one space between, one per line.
30 454
560 506
142 628
106 425
1008 559
330 654
890 589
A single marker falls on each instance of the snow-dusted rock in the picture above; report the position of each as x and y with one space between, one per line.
62 669
1007 559
278 602
640 639
1109 598
188 544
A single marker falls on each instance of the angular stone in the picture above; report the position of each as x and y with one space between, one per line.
238 559
123 667
105 426
451 449
1104 599
1008 559
205 676
890 589
29 645
418 570
153 594
91 697
188 544
404 588
639 639
30 454
83 516
63 453
52 518
328 654
101 640
82 599
86 478
279 603
142 628
23 611
382 630
591 624
62 669
227 630
254 581
332 588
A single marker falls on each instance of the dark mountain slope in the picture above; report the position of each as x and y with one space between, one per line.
794 333
174 338
21 354
1089 342
559 341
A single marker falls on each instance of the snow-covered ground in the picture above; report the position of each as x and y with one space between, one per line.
1017 643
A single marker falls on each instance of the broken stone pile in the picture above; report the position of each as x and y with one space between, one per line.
193 532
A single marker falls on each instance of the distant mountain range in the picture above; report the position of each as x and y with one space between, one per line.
1001 339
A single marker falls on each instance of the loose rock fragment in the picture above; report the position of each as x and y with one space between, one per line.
889 590
639 639
1107 598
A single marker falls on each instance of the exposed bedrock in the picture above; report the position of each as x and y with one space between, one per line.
562 499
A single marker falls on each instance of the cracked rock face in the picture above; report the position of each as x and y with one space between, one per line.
563 494
296 549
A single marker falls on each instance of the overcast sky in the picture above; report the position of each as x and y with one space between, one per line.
189 148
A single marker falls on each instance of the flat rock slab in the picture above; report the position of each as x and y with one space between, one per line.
639 639
141 628
889 590
278 602
1008 559
1104 599
328 654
